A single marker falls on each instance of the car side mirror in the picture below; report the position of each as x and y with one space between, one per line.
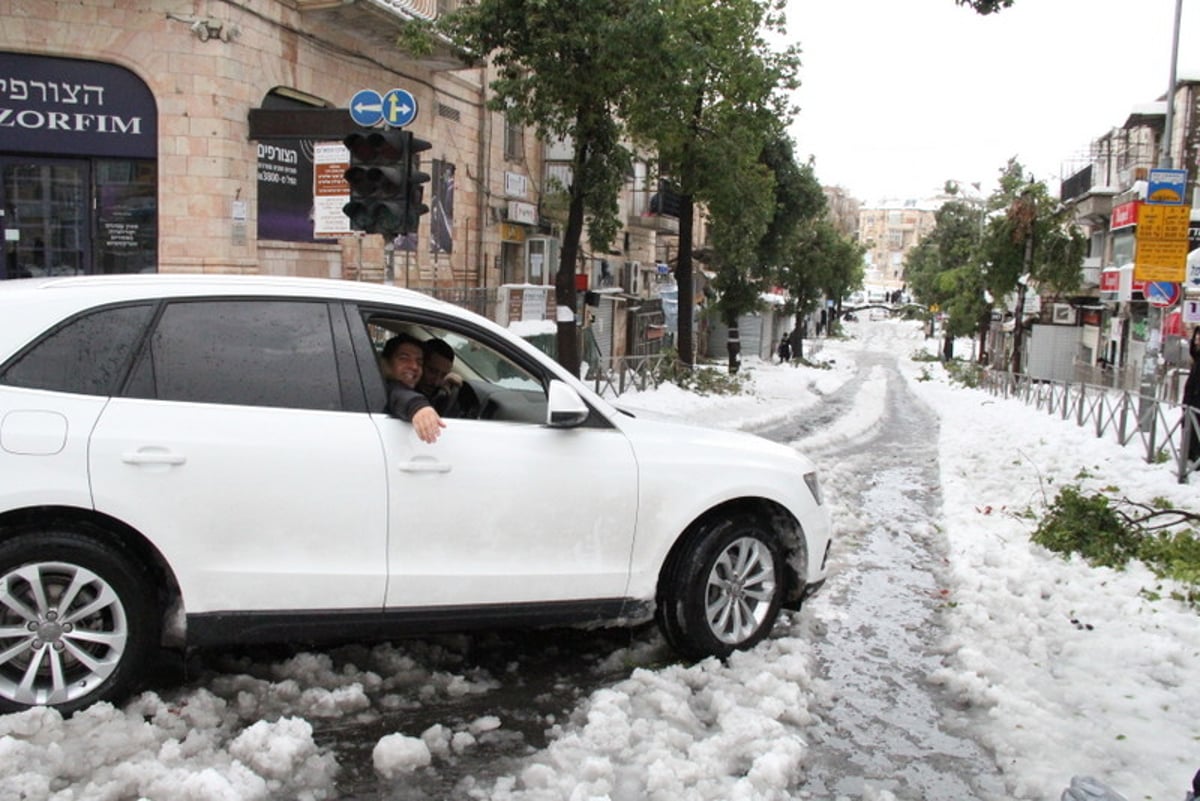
565 409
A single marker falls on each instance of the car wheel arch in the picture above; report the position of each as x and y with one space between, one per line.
131 542
775 515
771 516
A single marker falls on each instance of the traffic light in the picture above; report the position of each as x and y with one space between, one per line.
414 190
385 183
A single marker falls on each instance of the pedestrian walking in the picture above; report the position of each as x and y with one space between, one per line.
784 350
1191 397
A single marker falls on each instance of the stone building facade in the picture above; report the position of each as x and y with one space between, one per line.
126 145
889 231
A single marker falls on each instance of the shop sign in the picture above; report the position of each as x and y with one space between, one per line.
519 212
65 106
1191 311
330 190
1120 280
511 233
1124 215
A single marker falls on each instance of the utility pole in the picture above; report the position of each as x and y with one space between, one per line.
1149 377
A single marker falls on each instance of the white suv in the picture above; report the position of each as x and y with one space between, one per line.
202 460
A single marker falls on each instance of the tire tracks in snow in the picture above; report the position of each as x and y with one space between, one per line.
882 730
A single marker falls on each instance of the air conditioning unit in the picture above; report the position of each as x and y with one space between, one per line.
632 279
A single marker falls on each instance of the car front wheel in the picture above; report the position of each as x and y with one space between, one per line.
76 621
723 589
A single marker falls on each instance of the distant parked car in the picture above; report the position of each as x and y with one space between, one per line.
192 460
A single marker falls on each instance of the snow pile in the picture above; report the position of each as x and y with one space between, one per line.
149 749
712 730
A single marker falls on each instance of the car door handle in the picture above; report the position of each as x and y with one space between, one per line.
424 467
153 457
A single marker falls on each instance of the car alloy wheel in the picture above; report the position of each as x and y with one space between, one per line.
741 589
75 622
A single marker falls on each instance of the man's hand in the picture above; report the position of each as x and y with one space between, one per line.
428 425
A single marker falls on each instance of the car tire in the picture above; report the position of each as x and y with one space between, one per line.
722 589
77 620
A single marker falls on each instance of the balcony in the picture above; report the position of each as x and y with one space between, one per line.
366 24
648 212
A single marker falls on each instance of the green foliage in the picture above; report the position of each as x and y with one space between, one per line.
1030 233
709 90
986 6
1087 525
1090 525
701 379
947 269
924 356
968 374
821 264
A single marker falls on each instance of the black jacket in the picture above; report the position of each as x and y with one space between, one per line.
404 401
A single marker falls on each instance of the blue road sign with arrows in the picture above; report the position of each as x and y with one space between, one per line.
366 107
399 108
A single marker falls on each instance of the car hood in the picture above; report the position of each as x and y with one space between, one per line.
655 438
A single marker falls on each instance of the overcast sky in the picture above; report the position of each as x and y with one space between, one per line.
900 95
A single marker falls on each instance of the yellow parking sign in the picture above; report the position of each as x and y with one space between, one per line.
1162 243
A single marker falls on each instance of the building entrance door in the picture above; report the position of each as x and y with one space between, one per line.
46 217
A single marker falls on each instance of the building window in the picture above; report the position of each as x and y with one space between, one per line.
514 140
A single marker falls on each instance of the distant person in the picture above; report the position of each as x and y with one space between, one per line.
403 363
1191 396
784 350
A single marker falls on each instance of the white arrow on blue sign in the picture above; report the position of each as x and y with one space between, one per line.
366 107
399 108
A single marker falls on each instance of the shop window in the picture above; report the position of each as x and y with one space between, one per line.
126 216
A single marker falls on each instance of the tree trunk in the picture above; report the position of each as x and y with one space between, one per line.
797 338
985 324
683 280
1019 318
947 348
733 345
564 280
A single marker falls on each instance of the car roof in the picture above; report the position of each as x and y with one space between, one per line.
153 285
30 305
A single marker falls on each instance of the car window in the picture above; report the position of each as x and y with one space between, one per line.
247 352
88 354
497 384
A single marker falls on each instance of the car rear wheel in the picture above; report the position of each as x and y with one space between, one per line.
76 621
723 589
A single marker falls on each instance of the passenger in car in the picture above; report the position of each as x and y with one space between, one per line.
403 363
438 383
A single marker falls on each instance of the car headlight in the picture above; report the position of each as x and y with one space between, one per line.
814 486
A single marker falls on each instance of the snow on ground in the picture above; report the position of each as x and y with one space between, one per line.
1078 672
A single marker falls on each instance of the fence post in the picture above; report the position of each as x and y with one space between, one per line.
1123 422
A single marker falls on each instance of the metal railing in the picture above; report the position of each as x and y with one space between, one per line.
617 375
481 300
1161 428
